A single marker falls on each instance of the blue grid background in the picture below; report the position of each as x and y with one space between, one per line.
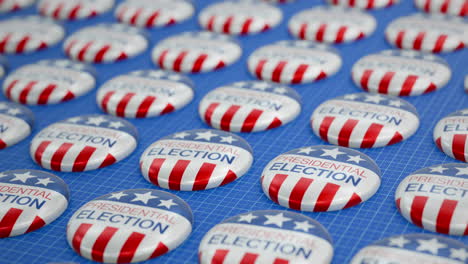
351 229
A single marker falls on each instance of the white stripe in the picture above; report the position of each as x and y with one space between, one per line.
285 190
69 159
89 239
357 135
216 180
459 218
165 172
430 213
218 114
239 118
335 129
115 244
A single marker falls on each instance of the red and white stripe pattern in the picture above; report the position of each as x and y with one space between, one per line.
441 211
452 7
14 5
331 24
364 4
16 122
105 43
249 106
364 120
279 1
403 73
451 135
431 33
28 34
73 10
240 17
142 94
48 82
196 52
154 13
294 62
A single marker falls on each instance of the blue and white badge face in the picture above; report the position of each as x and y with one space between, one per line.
29 200
451 135
3 66
129 226
84 143
16 123
269 236
49 82
413 248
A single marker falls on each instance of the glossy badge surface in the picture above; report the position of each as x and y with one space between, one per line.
16 122
365 4
452 7
14 5
73 10
451 135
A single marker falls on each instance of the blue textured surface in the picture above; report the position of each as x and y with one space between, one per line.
351 229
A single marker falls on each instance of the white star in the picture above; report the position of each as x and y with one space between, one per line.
247 218
395 103
117 195
373 98
306 150
96 120
331 152
14 111
74 119
280 90
167 203
205 135
116 124
260 86
181 135
439 169
398 241
464 112
351 97
304 226
143 197
356 158
459 254
44 181
3 175
431 245
276 219
2 106
22 177
229 139
462 171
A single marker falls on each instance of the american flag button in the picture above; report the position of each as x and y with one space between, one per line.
364 4
195 160
196 52
14 5
16 122
431 33
154 13
412 249
249 106
435 198
105 43
129 226
451 135
267 237
452 7
241 17
49 82
28 33
320 178
74 10
401 72
30 200
293 62
364 120
3 66
83 143
332 24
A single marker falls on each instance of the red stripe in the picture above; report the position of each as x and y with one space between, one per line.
9 221
325 126
365 79
152 19
464 12
276 75
83 51
445 216
37 223
438 143
353 201
82 159
209 112
220 65
58 9
2 144
45 94
203 176
275 186
210 23
109 160
326 197
70 46
154 169
56 161
122 56
251 120
275 123
227 25
161 58
320 32
230 177
321 76
399 39
458 146
439 45
352 2
133 19
105 100
299 74
396 138
227 117
176 174
419 40
145 106
341 34
78 237
280 261
370 4
22 44
259 69
74 12
432 87
385 82
101 53
345 132
120 111
398 202
40 150
297 194
10 88
249 258
417 209
407 86
23 97
178 61
219 256
97 252
169 108
444 6
160 250
427 6
130 247
303 31
371 135
246 27
198 64
4 42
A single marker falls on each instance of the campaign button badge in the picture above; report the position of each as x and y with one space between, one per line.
145 93
129 226
331 24
320 178
294 62
154 13
364 4
84 143
49 82
28 34
30 199
363 120
14 5
241 17
196 160
269 237
435 198
196 52
451 135
3 66
431 33
401 72
16 123
413 248
105 43
452 7
73 10
249 106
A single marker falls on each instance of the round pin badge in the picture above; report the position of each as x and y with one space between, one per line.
105 43
249 106
434 198
73 10
364 4
413 248
243 17
196 52
431 33
3 66
452 7
267 236
363 120
49 82
154 13
14 5
401 72
196 160
84 143
16 122
320 178
451 135
294 62
30 199
28 34
331 24
129 226
145 93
